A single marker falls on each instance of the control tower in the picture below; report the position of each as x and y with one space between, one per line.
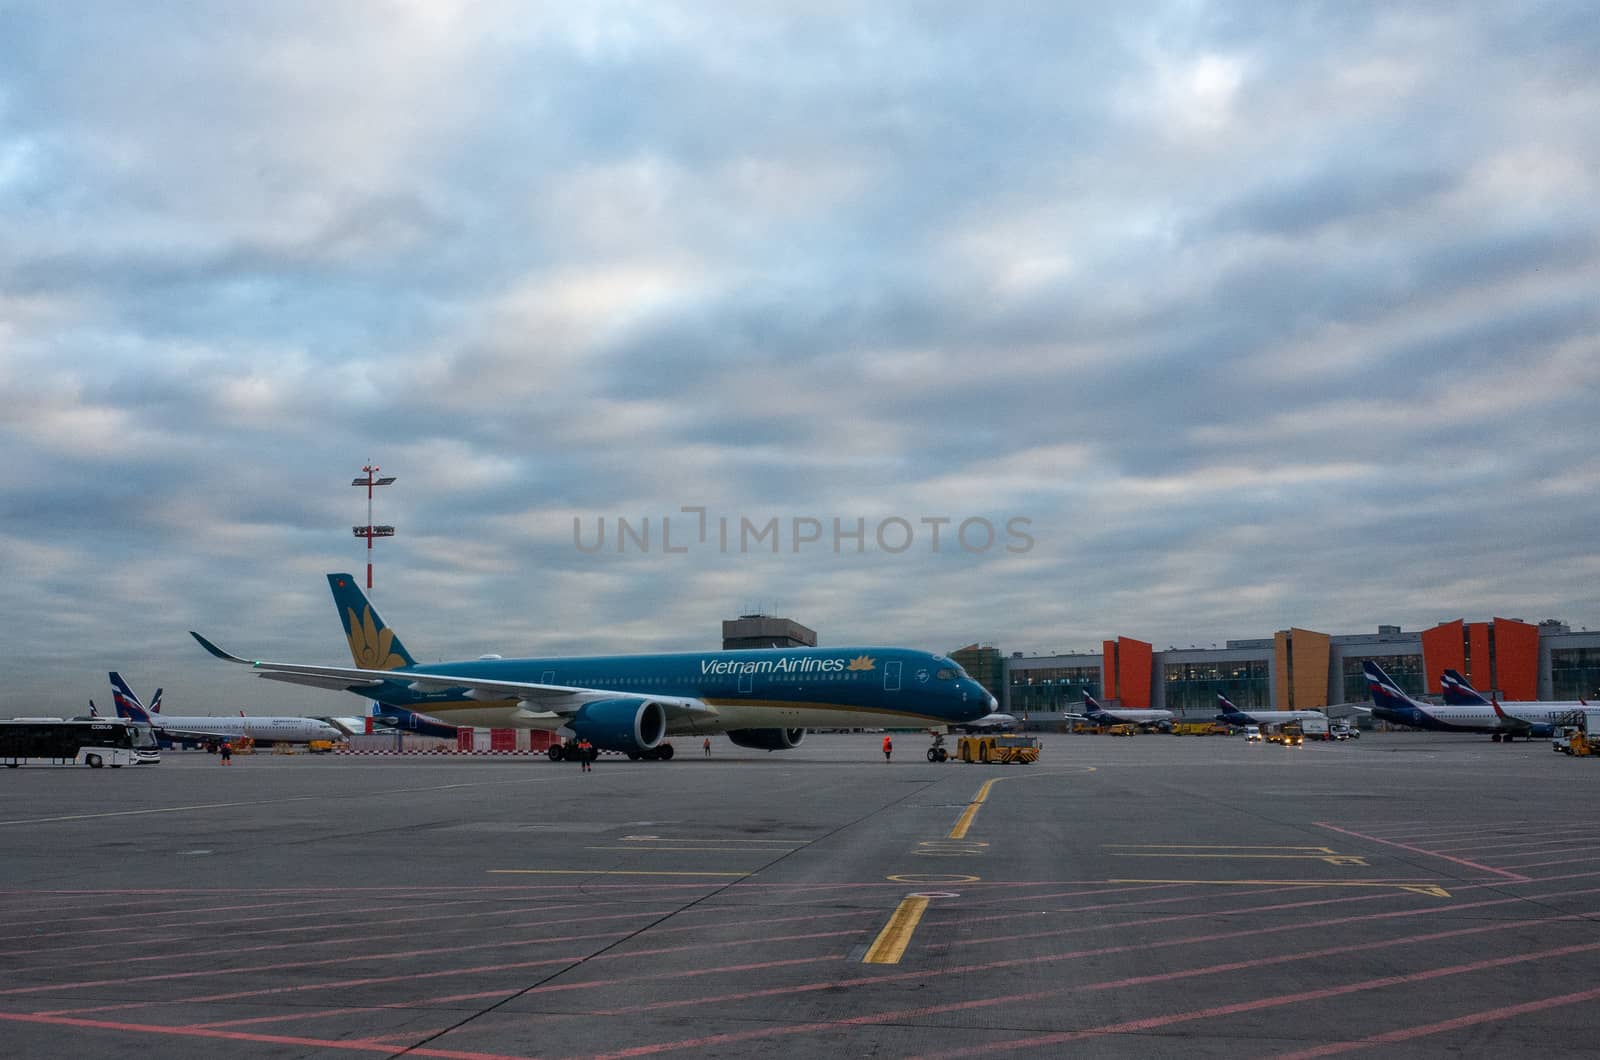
765 631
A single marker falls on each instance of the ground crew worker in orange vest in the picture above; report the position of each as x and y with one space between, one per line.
707 746
586 755
888 748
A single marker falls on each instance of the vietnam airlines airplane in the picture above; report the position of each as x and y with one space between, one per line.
1391 704
207 729
1234 716
763 699
1150 719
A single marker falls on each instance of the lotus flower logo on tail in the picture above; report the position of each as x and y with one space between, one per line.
862 662
369 645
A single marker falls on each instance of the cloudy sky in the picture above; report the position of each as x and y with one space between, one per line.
1259 314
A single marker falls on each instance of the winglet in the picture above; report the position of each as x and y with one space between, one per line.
218 652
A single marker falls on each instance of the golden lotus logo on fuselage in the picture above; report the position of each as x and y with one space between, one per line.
862 662
369 645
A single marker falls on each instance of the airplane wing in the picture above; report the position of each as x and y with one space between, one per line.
1517 725
193 734
534 698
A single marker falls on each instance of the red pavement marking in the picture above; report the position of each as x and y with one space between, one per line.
1257 1004
607 956
1410 830
1517 877
1037 1041
534 940
243 1036
926 974
211 950
1561 861
504 992
1407 1034
1545 840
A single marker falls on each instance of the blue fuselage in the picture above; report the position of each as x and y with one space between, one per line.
778 687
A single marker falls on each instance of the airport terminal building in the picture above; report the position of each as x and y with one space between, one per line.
1297 668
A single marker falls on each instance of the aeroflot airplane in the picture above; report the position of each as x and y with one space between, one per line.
763 699
1234 716
1458 692
1391 704
264 729
1093 711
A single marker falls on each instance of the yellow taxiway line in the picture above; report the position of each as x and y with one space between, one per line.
965 822
891 943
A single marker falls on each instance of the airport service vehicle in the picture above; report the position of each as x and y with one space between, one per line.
93 742
1343 730
1148 719
1252 733
994 750
1289 735
1123 729
211 731
1315 728
764 699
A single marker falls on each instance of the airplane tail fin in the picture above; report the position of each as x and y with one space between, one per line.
1226 705
1385 693
1458 692
373 645
128 705
94 711
155 702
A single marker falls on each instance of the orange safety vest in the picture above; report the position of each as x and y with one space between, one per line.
888 744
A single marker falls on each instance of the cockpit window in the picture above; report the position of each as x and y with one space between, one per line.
946 674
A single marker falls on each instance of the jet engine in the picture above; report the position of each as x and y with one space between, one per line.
631 726
767 739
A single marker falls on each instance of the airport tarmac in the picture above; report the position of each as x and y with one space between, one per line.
1409 894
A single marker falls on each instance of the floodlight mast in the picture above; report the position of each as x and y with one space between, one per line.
369 531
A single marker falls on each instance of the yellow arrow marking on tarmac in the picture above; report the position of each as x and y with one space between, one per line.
892 941
1432 890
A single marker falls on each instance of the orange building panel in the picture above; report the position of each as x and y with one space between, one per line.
1480 662
1516 659
1135 661
1310 668
1280 668
1109 688
1442 650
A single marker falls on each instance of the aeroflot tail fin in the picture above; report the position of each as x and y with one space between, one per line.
373 645
128 705
1385 693
1091 706
94 711
1458 692
1226 705
155 701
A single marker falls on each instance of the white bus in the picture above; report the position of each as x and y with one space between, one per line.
92 742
